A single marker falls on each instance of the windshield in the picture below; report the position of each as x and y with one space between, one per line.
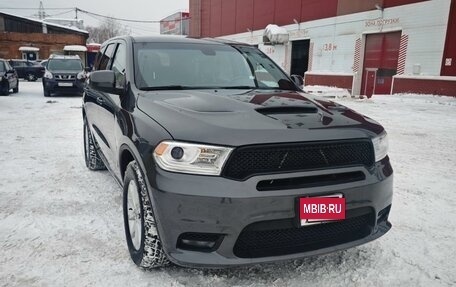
2 67
64 65
205 66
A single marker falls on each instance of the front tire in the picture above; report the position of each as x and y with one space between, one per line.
141 232
5 90
46 93
92 158
16 89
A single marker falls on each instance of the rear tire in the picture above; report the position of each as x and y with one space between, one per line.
92 158
144 242
31 77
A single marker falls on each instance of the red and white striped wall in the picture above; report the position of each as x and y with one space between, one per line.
402 55
357 57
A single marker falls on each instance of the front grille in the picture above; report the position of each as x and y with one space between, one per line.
310 181
65 77
266 239
266 159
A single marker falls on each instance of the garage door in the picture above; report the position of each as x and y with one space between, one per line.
380 63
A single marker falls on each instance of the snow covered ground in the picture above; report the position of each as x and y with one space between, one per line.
61 225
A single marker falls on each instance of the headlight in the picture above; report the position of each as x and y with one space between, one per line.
191 158
380 146
81 75
48 75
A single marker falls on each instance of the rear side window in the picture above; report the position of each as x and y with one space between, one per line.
106 59
19 64
2 67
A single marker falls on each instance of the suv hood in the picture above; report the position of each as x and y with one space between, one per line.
235 117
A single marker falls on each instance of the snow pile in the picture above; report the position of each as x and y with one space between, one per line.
75 48
61 225
327 92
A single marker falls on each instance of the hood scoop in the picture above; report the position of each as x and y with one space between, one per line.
281 110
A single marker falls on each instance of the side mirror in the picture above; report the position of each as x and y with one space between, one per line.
298 80
12 71
104 81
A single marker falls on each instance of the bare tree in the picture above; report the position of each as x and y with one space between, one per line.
109 28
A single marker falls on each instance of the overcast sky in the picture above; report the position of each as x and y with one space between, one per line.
130 9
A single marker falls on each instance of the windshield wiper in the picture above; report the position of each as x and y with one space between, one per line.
236 88
170 87
179 87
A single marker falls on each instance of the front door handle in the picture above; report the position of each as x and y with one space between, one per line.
100 100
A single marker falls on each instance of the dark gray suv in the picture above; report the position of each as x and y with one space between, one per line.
225 161
64 75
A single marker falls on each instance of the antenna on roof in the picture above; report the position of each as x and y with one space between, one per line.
41 12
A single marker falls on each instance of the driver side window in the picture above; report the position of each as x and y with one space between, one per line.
119 65
106 59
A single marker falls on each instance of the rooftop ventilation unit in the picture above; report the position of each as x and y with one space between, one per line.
275 35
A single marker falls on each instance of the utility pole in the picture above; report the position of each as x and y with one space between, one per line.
41 11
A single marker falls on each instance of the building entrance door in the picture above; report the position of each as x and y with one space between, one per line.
299 57
369 81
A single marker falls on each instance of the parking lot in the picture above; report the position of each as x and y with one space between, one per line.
62 225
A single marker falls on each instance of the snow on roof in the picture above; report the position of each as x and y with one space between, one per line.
426 77
75 48
46 23
29 49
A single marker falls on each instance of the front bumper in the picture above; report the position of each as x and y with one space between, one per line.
213 205
55 86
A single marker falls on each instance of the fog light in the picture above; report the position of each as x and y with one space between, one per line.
203 242
199 244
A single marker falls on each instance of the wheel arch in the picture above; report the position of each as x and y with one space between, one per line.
126 155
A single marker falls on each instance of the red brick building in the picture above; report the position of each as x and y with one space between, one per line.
33 39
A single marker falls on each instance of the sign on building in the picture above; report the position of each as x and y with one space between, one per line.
176 24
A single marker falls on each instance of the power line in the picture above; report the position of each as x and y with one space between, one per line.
136 29
65 12
11 8
101 19
76 9
130 20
